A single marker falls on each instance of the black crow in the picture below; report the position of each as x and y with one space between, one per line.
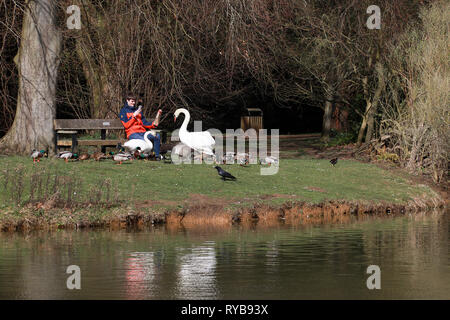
224 174
334 161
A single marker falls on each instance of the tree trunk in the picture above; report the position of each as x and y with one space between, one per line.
370 123
326 123
92 73
96 66
375 100
37 62
362 129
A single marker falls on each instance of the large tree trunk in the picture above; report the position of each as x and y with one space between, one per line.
37 62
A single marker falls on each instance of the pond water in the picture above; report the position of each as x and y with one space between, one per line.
283 262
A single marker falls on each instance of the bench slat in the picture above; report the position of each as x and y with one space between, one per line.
68 143
87 124
66 132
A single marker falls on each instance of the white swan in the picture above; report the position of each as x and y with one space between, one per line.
146 145
202 142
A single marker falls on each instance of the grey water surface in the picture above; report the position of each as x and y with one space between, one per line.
281 262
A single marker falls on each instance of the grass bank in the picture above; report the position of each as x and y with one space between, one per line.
53 193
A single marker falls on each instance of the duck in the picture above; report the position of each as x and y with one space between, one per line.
66 155
84 156
165 152
202 142
36 155
242 159
182 151
145 145
230 157
137 154
220 160
269 160
167 157
59 155
334 161
121 156
243 162
97 156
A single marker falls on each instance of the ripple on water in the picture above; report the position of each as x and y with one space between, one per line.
291 262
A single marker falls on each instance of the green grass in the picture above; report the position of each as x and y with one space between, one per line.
301 179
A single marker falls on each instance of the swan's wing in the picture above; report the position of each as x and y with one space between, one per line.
198 139
209 138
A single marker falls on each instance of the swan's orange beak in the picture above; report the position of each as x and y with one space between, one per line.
174 119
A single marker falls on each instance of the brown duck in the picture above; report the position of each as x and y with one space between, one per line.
97 156
84 156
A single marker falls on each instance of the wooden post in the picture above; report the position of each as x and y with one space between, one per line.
103 135
74 142
55 139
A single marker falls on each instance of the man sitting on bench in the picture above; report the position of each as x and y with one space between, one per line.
136 125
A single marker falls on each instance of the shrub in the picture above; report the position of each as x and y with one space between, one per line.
416 109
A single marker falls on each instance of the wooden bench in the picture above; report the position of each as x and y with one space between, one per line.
72 126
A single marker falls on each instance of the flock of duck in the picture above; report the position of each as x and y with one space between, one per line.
122 156
166 155
199 142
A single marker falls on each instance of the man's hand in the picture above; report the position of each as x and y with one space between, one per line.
138 111
158 115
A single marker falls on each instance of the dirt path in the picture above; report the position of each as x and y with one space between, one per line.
294 146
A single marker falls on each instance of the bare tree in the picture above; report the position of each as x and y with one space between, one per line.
372 46
11 15
322 53
416 115
37 62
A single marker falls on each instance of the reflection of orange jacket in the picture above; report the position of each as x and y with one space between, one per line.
134 124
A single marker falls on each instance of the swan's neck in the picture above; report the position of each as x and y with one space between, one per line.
187 118
146 139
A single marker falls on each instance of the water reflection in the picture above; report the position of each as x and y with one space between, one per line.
289 262
196 274
140 275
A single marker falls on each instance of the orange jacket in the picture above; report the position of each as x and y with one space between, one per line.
134 124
